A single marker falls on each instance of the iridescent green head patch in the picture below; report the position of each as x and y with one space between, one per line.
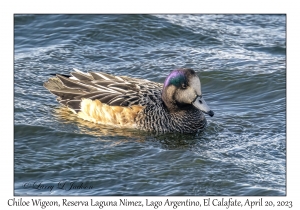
176 78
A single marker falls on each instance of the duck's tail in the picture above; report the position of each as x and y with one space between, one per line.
65 95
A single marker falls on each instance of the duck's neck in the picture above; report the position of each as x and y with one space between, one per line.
188 121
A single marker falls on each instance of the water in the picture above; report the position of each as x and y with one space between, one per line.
241 61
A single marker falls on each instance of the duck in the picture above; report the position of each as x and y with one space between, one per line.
177 105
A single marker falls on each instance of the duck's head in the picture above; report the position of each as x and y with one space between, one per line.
182 89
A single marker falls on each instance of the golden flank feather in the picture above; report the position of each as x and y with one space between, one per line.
97 112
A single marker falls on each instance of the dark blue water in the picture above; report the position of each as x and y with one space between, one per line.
241 61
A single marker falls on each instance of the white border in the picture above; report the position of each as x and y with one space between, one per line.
9 8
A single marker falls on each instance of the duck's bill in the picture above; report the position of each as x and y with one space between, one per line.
199 103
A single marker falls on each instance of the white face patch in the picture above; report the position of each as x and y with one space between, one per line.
196 85
189 94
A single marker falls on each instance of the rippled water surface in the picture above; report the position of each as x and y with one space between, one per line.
241 61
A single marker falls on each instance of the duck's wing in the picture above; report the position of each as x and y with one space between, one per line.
109 89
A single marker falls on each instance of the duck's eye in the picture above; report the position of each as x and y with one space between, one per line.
183 86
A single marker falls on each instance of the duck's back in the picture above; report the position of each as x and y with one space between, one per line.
103 98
